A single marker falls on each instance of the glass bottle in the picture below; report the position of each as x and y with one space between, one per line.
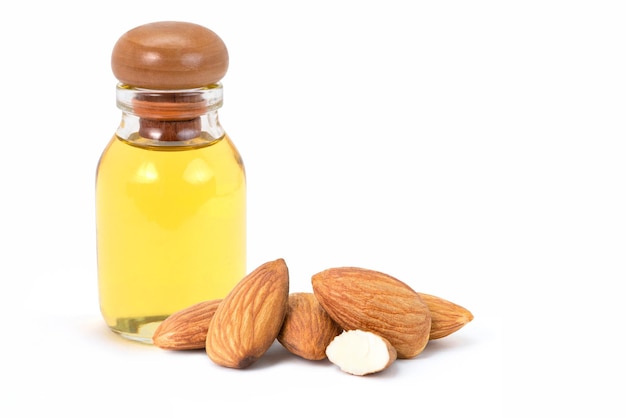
170 184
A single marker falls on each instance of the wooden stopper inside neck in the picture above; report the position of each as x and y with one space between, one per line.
169 116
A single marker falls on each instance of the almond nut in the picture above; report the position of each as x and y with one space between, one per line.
359 352
368 300
307 329
250 317
187 328
446 317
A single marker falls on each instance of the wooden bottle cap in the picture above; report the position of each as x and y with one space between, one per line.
169 56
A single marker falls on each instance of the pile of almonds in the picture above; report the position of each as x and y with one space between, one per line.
361 320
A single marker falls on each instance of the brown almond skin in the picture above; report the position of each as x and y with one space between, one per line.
250 317
446 317
187 328
358 298
307 329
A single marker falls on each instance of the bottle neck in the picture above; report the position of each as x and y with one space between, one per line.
169 118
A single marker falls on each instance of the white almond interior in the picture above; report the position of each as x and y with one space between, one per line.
360 352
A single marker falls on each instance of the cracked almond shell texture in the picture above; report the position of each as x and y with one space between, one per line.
368 300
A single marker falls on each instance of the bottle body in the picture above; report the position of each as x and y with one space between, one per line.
171 224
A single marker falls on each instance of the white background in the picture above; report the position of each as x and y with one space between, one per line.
474 149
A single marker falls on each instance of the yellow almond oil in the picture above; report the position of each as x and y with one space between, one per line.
171 230
170 184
